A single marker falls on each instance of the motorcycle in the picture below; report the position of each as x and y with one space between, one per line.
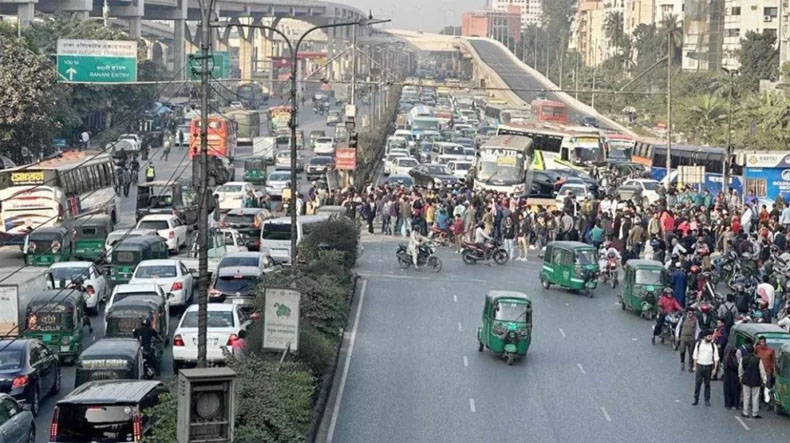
609 273
426 256
472 253
150 369
441 236
668 329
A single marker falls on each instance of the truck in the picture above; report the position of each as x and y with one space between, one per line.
263 147
16 289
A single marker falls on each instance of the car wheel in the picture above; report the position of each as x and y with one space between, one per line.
35 401
56 385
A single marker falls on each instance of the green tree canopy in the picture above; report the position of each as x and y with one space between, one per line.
759 58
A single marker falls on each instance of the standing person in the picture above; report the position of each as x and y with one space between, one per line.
685 332
751 372
706 362
524 232
768 358
730 380
127 181
405 216
150 172
85 139
385 215
509 235
637 238
457 228
180 138
166 148
678 281
369 213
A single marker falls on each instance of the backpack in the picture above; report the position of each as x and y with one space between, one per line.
729 316
742 302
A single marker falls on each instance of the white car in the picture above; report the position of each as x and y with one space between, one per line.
225 321
171 275
94 282
579 192
460 169
132 139
324 145
277 181
282 161
649 188
391 159
231 195
402 165
169 227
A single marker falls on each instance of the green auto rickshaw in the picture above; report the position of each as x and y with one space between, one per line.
570 264
255 171
56 317
91 233
45 246
781 389
126 315
775 336
644 282
110 359
130 252
506 329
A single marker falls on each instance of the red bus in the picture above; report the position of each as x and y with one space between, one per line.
549 111
221 137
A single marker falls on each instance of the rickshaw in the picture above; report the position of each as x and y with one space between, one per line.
781 389
127 314
91 232
775 336
643 283
571 265
255 171
45 246
110 359
506 329
130 252
55 316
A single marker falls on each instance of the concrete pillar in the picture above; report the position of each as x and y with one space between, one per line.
25 13
246 50
135 27
179 52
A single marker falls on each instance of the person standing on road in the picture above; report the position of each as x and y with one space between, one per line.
166 148
524 233
126 180
85 139
730 381
181 138
150 172
509 235
752 375
706 362
685 333
768 358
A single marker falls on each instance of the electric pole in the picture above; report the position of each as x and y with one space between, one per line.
669 110
354 65
205 46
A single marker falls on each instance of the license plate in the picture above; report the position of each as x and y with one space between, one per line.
64 349
46 337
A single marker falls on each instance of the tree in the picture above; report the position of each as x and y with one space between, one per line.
28 100
613 26
703 117
670 29
759 58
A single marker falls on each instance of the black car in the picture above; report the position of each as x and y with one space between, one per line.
543 184
247 221
106 410
432 175
318 166
28 371
234 281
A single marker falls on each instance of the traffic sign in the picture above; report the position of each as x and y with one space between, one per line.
219 65
97 61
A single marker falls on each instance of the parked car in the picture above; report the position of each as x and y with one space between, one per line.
649 188
225 321
17 424
94 281
169 227
319 165
29 371
431 175
172 277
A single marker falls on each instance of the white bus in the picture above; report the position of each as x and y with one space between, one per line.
559 147
55 191
502 164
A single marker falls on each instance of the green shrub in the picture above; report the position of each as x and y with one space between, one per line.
316 351
164 430
337 233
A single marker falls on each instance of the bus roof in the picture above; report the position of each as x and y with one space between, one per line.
508 141
65 161
540 102
534 128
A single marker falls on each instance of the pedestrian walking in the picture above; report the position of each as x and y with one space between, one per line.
752 375
706 362
166 149
524 232
127 181
685 333
85 140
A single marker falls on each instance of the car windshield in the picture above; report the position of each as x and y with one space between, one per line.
406 181
650 185
238 219
68 273
10 360
95 423
155 271
407 162
453 150
395 155
157 225
321 160
462 166
280 176
236 284
510 311
586 257
216 319
438 170
648 277
229 188
276 231
619 154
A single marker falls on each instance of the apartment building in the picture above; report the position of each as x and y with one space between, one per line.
531 10
588 35
636 12
742 16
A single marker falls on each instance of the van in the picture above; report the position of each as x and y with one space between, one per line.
451 151
276 234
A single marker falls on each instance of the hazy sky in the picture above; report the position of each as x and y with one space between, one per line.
421 15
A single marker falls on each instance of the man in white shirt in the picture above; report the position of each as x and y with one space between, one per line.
706 362
784 219
415 240
746 219
85 138
766 291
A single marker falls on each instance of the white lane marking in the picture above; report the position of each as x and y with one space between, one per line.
742 423
472 404
466 362
567 304
581 368
562 332
606 414
634 339
411 276
459 327
455 298
344 377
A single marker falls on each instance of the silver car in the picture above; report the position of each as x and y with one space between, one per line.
282 160
16 422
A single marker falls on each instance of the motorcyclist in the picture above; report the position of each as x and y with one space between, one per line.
150 172
480 238
666 305
146 335
415 240
608 254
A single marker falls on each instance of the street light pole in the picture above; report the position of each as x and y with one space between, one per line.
205 46
725 183
669 111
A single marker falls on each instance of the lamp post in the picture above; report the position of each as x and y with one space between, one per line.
725 182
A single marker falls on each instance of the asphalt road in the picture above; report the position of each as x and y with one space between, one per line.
517 78
12 256
591 374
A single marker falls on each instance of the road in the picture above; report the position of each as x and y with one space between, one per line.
517 78
413 373
12 256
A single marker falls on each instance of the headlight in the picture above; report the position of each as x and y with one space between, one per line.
437 180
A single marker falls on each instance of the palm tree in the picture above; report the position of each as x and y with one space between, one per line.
613 25
670 27
707 113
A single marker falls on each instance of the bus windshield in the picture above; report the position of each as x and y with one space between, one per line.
425 124
503 166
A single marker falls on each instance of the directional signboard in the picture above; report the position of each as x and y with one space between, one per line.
219 64
97 61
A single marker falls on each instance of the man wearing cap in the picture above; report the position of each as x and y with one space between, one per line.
685 332
705 361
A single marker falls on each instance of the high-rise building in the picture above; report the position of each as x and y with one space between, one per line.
637 12
742 16
588 36
531 10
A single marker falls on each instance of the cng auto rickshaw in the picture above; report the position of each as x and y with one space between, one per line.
781 389
91 232
255 171
130 252
110 359
643 283
45 246
56 316
775 336
571 265
506 329
127 314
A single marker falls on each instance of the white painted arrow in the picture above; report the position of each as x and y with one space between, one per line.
71 72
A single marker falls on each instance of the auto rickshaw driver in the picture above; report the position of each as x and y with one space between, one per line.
146 335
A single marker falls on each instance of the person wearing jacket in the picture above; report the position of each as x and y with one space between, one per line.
751 372
685 332
731 382
768 358
666 305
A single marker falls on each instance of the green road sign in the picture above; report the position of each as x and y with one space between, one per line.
97 61
219 65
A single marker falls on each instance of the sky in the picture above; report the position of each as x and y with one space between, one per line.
419 15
